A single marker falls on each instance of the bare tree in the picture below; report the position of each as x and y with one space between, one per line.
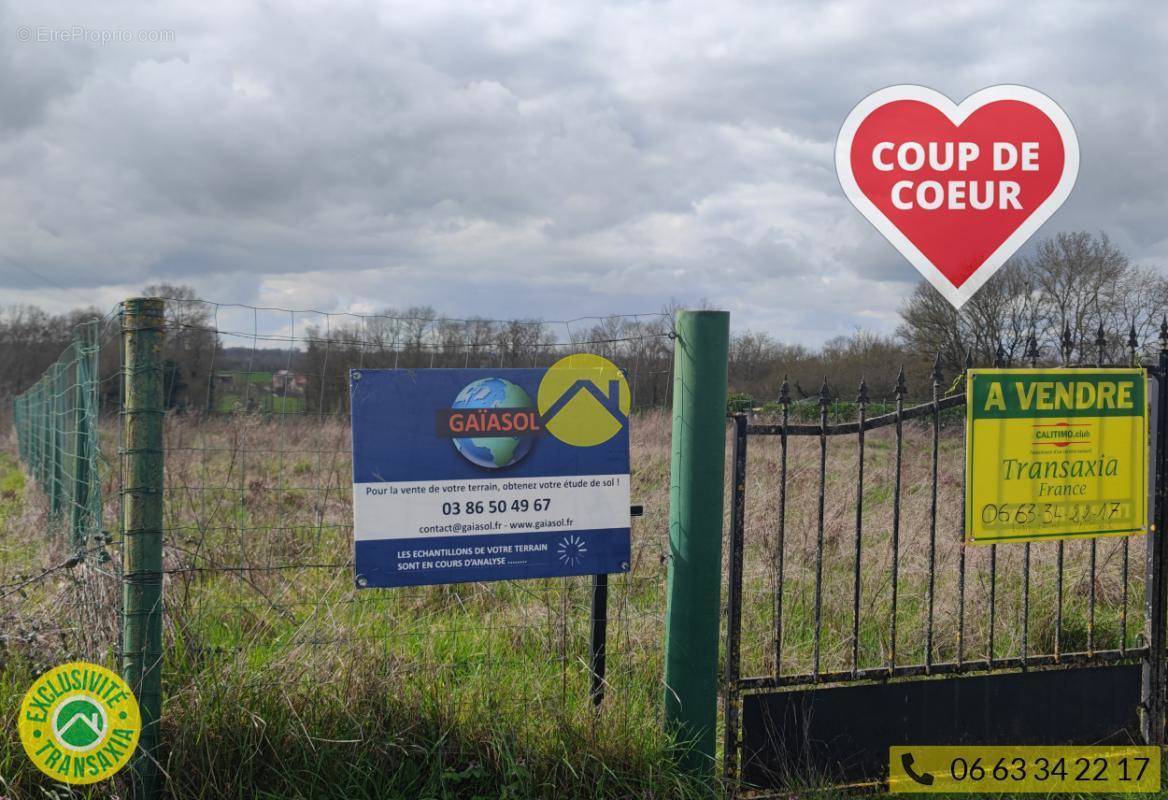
752 361
1075 275
31 340
191 346
1073 287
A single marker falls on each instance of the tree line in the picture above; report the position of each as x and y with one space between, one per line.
1076 298
418 338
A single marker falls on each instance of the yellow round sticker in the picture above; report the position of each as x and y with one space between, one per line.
79 723
584 400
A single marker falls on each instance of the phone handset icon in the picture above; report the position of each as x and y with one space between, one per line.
906 761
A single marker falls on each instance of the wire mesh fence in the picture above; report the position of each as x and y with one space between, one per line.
262 611
262 605
264 630
72 458
56 422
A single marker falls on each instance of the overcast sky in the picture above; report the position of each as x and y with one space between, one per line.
536 159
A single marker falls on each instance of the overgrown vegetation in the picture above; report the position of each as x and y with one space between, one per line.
282 680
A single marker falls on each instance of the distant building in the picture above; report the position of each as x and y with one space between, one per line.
286 383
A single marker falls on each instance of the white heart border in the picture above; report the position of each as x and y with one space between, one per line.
957 113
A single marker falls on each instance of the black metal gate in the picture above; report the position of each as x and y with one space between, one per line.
1051 643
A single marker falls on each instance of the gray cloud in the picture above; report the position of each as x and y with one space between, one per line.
527 158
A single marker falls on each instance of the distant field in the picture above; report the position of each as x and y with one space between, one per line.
252 392
264 403
282 678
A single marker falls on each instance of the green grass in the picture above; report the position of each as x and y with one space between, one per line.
252 391
283 680
257 378
14 550
21 659
11 486
261 402
463 691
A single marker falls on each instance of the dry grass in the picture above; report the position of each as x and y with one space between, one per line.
961 616
284 679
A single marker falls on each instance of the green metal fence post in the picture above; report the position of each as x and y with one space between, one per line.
54 441
56 431
38 455
142 320
34 426
79 452
47 434
42 437
695 534
33 433
18 423
43 402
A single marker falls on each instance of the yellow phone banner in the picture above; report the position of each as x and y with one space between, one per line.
1049 770
1055 454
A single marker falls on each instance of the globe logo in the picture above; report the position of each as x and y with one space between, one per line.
493 452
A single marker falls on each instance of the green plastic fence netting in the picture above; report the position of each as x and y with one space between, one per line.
56 423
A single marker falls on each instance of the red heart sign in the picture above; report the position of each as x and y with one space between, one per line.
957 189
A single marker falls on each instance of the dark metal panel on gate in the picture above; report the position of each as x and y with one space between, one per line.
842 734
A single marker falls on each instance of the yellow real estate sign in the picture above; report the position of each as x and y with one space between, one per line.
1055 453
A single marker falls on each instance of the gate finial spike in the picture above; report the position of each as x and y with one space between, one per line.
1000 356
1032 349
862 397
1068 341
784 391
824 393
1133 341
969 358
901 385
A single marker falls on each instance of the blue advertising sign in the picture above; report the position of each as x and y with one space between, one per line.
490 474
